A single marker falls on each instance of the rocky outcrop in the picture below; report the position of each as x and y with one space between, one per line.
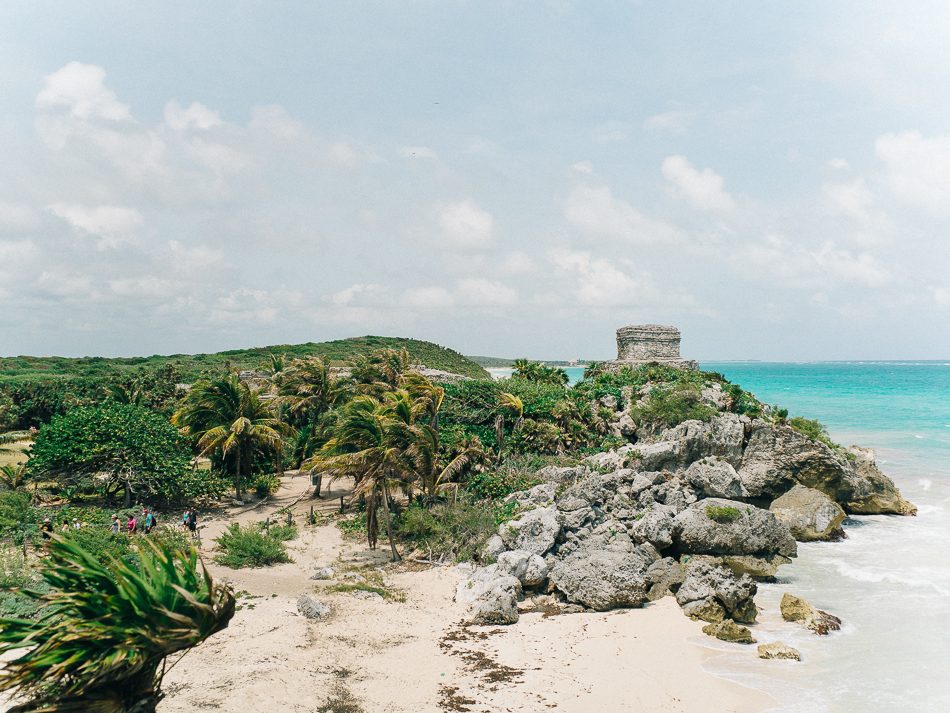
884 498
728 630
535 532
527 568
604 579
809 514
491 594
715 593
723 527
713 478
778 650
664 577
796 609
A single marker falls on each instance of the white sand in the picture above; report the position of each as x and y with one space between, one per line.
415 656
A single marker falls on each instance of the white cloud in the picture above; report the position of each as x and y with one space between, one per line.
853 199
478 292
595 210
427 297
838 163
464 225
345 297
600 283
941 296
113 224
917 169
778 263
197 116
671 122
417 152
701 188
518 263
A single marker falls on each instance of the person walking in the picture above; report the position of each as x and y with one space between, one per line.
76 524
192 522
133 525
46 528
65 527
115 525
149 521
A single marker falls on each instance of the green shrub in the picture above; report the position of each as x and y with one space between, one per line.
15 510
282 531
494 485
670 407
457 530
723 515
102 544
265 484
814 430
249 547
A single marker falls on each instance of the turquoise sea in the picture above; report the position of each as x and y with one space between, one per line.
890 580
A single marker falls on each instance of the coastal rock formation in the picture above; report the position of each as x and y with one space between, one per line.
714 593
528 568
664 578
604 579
646 343
809 514
492 595
724 527
778 650
796 609
535 532
728 630
885 498
715 479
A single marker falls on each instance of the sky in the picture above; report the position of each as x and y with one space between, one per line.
514 179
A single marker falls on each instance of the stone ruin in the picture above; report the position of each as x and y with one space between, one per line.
645 343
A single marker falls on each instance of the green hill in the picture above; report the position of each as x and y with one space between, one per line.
192 365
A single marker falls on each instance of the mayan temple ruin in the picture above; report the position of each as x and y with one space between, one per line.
644 343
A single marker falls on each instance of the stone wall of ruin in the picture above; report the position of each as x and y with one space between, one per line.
646 342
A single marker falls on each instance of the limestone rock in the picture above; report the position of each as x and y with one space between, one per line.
491 549
603 579
664 577
809 514
311 609
796 609
704 582
534 532
761 569
778 650
559 476
323 573
655 527
538 496
491 594
693 440
752 531
527 568
714 479
885 497
706 609
728 630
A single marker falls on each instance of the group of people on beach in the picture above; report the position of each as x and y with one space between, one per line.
149 522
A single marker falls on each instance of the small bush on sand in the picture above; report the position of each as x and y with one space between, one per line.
457 531
249 546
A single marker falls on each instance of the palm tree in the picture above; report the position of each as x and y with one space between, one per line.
104 650
226 415
15 437
380 371
508 402
13 475
370 444
312 392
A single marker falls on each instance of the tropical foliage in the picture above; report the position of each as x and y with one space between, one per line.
102 645
133 448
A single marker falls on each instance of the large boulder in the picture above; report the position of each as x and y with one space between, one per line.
693 440
664 578
724 527
491 594
809 514
530 569
604 579
491 549
535 532
539 496
713 593
713 478
885 498
728 630
655 527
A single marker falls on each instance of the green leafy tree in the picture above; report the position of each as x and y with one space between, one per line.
102 646
137 449
225 415
311 392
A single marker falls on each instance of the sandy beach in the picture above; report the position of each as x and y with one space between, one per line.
419 655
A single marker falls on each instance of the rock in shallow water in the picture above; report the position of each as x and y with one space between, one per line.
728 630
796 609
778 650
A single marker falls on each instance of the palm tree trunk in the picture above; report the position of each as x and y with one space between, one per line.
237 475
389 527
